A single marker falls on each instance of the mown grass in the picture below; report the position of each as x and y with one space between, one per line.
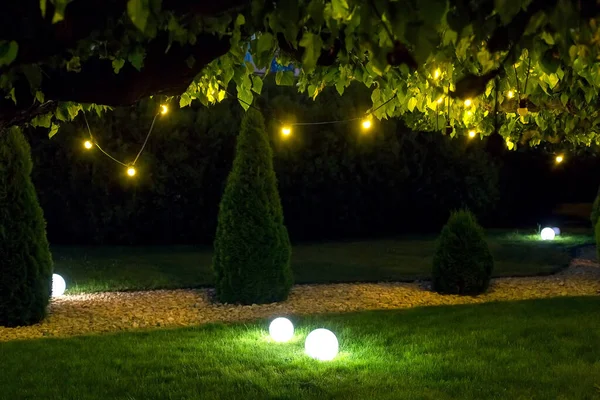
540 349
93 269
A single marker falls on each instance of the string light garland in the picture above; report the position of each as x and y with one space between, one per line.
559 158
472 134
130 167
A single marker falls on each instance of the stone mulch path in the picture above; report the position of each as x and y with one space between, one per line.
107 312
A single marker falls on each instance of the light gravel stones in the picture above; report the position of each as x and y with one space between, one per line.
120 311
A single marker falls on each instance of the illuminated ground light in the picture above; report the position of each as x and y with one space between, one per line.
281 330
58 285
321 344
547 234
556 230
87 144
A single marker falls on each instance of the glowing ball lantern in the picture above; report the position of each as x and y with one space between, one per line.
281 330
548 234
321 344
556 230
58 285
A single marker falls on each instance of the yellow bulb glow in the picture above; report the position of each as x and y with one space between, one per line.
559 159
437 73
439 101
286 131
366 123
87 144
472 134
164 109
510 94
469 113
131 171
468 103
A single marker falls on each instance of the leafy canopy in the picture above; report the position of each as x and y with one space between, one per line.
428 55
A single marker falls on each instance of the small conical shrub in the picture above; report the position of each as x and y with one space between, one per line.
252 248
25 260
462 263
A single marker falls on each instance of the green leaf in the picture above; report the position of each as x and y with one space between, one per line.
245 97
42 120
74 64
185 100
340 9
312 49
8 52
39 96
412 103
138 11
33 73
136 58
43 8
265 43
73 109
117 64
240 20
284 78
53 130
507 9
59 10
257 84
564 99
340 87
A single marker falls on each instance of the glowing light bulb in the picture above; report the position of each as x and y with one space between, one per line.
468 103
439 101
286 131
281 329
469 113
164 109
87 144
131 171
472 134
366 123
547 234
510 94
559 158
437 73
321 344
58 285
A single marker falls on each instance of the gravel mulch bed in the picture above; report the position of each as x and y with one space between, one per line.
117 311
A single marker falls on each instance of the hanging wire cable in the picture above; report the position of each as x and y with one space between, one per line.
145 141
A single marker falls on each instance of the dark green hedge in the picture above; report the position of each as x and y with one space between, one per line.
252 247
462 263
25 260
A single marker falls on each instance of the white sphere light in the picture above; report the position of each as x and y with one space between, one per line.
281 329
548 234
321 344
556 230
58 285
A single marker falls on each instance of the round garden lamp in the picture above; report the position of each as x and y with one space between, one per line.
58 285
548 234
321 344
281 329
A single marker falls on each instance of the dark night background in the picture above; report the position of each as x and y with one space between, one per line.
335 182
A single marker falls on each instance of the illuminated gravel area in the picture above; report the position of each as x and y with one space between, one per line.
114 311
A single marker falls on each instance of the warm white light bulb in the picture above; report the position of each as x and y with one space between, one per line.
366 123
281 329
321 344
286 131
58 285
472 134
559 158
131 171
164 109
510 94
437 73
468 103
87 144
439 101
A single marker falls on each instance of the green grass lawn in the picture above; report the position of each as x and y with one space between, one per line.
540 349
92 269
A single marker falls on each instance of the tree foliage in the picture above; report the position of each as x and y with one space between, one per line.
427 55
252 248
462 263
26 263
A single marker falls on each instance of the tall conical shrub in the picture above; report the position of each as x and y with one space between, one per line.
25 260
252 248
462 263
